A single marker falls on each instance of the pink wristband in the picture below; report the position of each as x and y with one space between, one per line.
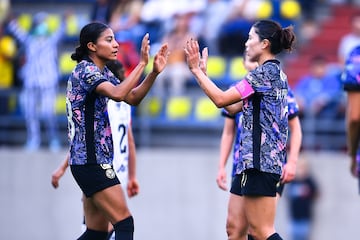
244 88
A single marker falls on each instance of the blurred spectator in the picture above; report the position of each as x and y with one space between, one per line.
101 11
176 72
243 13
4 10
40 77
235 29
308 9
214 16
286 12
350 40
125 21
7 54
302 193
157 16
319 93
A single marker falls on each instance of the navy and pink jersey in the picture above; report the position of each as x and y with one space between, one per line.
293 109
351 74
89 129
264 119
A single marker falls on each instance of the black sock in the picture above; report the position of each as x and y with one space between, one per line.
275 236
110 234
93 235
250 237
124 229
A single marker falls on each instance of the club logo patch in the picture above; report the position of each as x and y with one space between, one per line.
109 171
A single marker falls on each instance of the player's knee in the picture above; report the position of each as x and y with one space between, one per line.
235 230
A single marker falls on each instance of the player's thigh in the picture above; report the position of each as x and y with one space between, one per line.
236 214
94 217
353 112
260 212
112 202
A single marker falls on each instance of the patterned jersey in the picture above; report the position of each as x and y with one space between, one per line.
351 74
89 129
265 120
293 109
120 120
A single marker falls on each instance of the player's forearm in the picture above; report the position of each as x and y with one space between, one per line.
225 149
132 156
295 139
64 165
209 88
137 94
131 81
353 137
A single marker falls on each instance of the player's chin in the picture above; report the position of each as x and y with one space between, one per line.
113 56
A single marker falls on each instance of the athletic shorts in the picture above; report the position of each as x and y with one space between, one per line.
280 188
93 178
350 87
255 183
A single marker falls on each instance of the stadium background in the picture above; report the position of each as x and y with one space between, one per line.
177 160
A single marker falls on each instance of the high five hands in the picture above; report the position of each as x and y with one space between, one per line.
193 58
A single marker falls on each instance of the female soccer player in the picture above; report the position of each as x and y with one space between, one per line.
351 81
89 87
263 94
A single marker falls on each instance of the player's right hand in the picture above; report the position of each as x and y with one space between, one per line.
221 179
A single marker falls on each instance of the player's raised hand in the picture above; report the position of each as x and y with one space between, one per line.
160 59
204 59
145 49
192 54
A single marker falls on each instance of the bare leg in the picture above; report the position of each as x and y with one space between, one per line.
260 213
236 224
353 127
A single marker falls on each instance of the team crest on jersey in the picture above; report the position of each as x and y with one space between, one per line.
92 74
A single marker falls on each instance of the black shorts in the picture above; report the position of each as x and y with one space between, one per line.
93 178
280 188
348 87
255 183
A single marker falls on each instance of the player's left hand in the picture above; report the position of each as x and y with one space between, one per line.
55 177
160 59
145 49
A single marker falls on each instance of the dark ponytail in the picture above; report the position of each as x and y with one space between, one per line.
280 38
79 54
89 33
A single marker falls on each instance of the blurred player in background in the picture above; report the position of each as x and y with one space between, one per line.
351 81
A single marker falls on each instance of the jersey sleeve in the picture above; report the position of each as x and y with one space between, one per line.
92 77
226 114
259 79
293 107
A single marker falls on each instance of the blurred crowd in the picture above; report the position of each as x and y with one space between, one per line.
31 48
